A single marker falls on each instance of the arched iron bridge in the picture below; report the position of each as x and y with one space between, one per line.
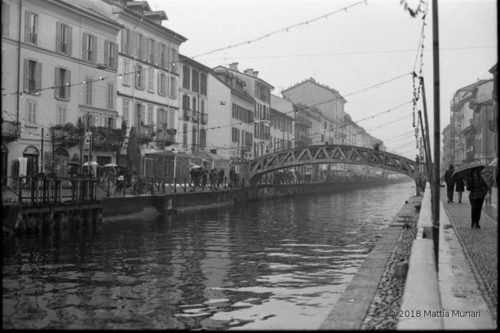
331 153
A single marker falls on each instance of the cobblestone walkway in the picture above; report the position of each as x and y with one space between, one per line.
480 246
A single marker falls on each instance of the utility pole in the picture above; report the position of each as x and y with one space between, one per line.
435 53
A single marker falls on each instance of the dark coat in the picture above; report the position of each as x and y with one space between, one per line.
477 188
459 184
448 178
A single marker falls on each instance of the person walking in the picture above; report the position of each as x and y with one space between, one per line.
211 178
477 188
459 186
450 182
221 178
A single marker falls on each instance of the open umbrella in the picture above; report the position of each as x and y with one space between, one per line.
494 162
92 163
111 165
466 168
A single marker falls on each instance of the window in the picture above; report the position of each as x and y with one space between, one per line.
162 56
61 115
172 119
5 18
110 55
62 81
184 135
127 41
63 38
173 87
203 84
196 81
161 118
111 95
203 138
195 105
235 135
185 77
149 118
185 102
88 90
152 51
162 84
193 137
30 27
139 76
110 122
31 111
174 60
140 46
125 109
126 73
140 115
89 48
32 76
151 77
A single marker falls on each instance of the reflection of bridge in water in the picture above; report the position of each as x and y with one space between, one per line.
326 154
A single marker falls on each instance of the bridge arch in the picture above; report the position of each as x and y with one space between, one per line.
320 154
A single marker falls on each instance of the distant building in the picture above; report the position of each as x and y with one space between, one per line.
260 91
282 124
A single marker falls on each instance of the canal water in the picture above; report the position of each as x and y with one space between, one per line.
278 264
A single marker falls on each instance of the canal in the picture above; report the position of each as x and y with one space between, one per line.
278 264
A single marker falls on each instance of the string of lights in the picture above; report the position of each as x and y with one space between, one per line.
286 29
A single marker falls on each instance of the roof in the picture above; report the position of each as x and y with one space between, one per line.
240 73
313 81
83 6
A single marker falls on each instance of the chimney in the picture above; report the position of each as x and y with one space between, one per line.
255 73
233 66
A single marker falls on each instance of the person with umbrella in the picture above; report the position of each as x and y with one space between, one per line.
459 185
477 188
450 182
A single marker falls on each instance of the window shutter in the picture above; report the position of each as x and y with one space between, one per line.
26 75
38 76
84 46
5 19
70 41
106 53
58 37
155 60
94 50
27 33
115 56
56 82
67 89
158 83
123 39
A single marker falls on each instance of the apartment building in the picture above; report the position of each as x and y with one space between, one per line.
327 101
282 124
60 72
260 91
147 96
231 120
194 116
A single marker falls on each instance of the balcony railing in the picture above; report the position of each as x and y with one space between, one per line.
67 135
204 118
165 137
196 115
10 130
107 139
144 133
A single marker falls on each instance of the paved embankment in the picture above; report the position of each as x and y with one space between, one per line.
371 300
470 280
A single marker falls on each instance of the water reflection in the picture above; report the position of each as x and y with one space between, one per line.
277 264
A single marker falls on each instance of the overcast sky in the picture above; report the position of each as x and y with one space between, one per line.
350 50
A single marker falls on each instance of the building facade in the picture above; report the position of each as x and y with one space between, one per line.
282 124
260 91
61 68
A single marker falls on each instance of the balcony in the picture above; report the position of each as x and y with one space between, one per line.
165 137
67 135
187 114
10 130
144 133
196 115
204 118
107 139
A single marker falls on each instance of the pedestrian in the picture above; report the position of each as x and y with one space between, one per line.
204 176
221 178
488 179
459 186
477 188
211 178
195 180
450 182
232 177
